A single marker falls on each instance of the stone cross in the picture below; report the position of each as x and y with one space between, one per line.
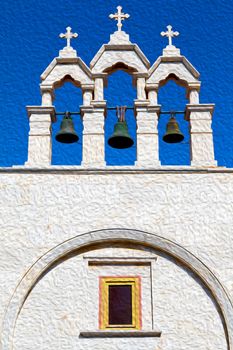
119 17
170 34
68 36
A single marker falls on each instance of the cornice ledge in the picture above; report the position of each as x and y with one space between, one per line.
142 56
119 47
42 110
141 104
97 56
155 108
96 106
202 107
48 70
67 59
119 334
128 170
190 67
87 86
99 104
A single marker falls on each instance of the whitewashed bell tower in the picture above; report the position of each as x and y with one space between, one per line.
120 53
117 257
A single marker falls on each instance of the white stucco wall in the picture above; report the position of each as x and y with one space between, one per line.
41 209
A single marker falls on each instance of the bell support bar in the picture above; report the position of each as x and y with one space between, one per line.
115 108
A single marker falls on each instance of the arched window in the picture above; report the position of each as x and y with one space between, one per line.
67 98
172 97
120 92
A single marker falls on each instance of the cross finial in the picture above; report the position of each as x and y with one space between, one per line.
119 17
68 36
170 34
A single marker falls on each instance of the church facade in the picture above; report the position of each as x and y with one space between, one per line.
117 257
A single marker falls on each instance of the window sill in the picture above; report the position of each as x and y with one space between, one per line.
119 334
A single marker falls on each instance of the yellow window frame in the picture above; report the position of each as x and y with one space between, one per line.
135 283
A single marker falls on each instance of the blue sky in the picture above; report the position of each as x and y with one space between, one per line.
30 40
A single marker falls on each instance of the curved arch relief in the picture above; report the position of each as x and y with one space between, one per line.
178 66
120 66
62 67
175 78
114 235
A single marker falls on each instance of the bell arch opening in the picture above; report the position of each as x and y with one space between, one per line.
172 96
120 92
173 77
120 66
66 79
68 97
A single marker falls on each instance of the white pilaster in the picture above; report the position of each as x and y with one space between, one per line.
201 134
47 96
39 142
194 97
152 91
193 93
141 92
147 135
99 89
87 94
93 136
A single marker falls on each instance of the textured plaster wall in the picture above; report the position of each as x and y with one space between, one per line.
39 211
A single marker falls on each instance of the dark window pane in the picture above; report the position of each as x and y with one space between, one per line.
120 305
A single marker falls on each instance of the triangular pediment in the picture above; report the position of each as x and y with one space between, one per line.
119 50
177 66
62 67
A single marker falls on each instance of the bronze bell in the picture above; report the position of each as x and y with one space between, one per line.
173 133
120 138
67 134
